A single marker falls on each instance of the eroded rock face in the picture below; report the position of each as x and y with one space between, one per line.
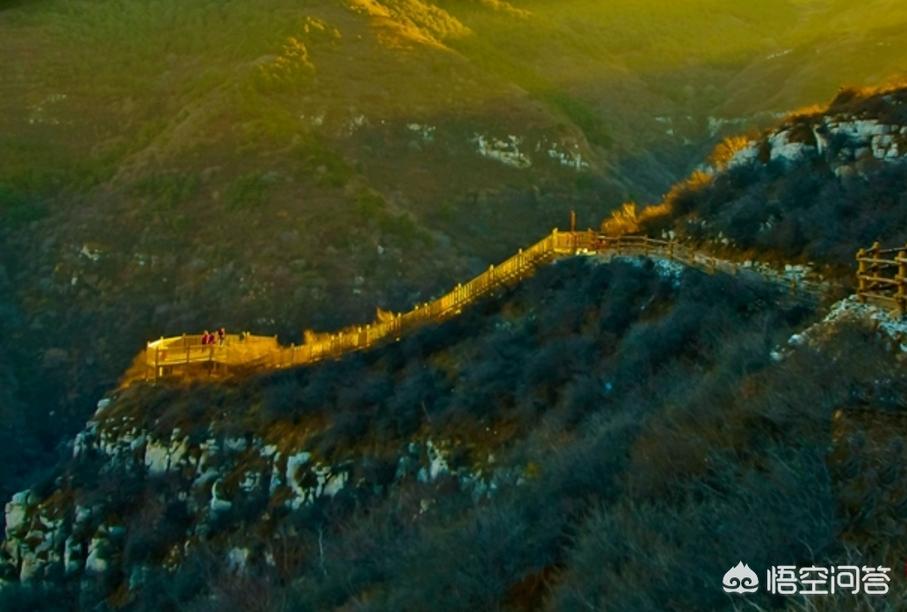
57 536
34 538
782 148
846 142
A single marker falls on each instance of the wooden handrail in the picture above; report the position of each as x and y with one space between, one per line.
163 355
885 262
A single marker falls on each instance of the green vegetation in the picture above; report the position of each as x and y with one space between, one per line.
168 191
248 192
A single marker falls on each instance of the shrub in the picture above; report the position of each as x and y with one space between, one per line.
248 191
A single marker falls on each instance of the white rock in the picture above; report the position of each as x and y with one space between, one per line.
72 556
237 559
235 445
83 514
335 484
505 151
745 156
17 511
137 442
782 148
178 453
95 562
217 503
157 458
437 463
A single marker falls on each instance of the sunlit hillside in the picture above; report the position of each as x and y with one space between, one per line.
275 165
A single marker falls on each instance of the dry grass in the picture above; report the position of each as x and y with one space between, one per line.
726 149
629 219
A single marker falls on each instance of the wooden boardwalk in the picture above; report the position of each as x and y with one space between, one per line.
185 354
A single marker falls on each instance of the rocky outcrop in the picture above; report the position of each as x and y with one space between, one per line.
505 151
56 536
845 142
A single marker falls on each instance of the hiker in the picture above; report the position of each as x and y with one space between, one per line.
221 336
205 338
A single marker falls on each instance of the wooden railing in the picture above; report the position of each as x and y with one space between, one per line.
882 277
170 355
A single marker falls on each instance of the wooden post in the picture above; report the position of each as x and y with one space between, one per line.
902 282
861 275
573 244
874 252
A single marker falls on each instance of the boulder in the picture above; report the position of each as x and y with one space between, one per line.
17 512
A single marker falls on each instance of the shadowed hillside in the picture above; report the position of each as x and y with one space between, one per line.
578 440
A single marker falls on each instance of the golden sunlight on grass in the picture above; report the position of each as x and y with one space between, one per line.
629 219
411 21
810 110
726 149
